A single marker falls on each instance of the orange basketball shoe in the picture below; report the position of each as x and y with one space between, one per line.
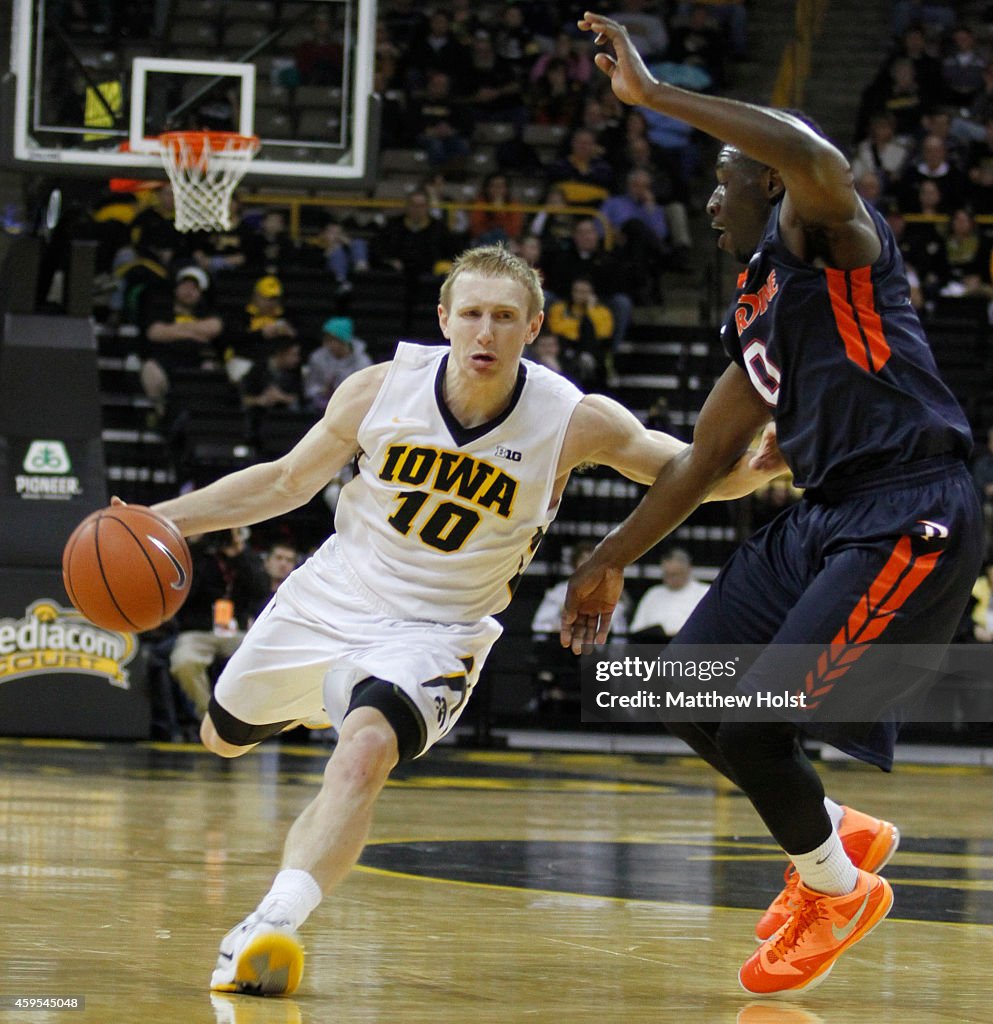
869 842
801 954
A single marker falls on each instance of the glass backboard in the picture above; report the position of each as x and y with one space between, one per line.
95 82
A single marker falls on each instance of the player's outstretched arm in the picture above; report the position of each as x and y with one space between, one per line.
753 470
603 432
815 173
270 489
730 418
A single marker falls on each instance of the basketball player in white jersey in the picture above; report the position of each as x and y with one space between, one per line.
463 455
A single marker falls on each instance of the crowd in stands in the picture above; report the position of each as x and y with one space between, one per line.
924 151
613 214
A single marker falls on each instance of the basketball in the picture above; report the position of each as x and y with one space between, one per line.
126 568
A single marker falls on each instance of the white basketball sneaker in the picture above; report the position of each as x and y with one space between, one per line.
262 956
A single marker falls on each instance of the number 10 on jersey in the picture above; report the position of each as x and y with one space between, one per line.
446 527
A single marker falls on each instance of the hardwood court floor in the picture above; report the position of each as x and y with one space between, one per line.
498 887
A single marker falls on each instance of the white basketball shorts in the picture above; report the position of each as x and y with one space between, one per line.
315 642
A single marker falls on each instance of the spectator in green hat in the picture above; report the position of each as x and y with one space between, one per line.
339 356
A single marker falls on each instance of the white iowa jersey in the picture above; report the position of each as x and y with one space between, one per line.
441 519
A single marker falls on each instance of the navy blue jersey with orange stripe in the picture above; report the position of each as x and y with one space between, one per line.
841 358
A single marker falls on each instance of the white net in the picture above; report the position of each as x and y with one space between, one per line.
204 169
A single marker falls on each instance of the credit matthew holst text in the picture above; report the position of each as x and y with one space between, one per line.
643 683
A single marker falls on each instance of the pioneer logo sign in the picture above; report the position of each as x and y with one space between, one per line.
47 473
54 639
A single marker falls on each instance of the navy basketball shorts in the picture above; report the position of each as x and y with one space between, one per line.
889 561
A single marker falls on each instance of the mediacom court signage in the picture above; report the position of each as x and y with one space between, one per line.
50 638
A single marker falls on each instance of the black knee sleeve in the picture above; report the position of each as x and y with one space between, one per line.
238 733
397 708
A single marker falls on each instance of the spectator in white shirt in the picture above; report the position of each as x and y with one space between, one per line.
663 609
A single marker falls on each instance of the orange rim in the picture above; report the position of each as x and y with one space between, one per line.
193 142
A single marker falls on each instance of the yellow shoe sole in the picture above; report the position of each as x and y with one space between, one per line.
270 965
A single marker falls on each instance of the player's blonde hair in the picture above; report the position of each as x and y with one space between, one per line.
496 261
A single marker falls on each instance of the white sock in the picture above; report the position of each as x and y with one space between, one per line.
835 811
827 869
293 897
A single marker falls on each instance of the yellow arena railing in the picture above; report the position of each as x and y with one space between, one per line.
794 65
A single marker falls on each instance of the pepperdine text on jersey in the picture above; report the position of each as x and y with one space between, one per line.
754 304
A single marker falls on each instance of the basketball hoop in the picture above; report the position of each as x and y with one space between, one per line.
204 169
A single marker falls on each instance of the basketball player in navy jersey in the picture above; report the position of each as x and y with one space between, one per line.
886 543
